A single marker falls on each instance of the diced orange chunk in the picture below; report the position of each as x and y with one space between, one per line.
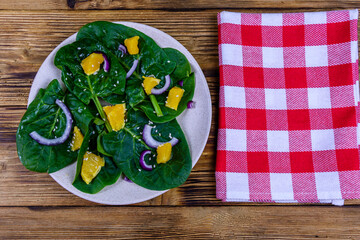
77 139
92 63
149 83
91 166
116 116
174 97
163 153
132 45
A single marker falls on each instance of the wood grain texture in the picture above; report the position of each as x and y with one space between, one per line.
257 222
174 5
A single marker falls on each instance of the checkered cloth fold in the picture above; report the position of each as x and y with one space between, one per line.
288 114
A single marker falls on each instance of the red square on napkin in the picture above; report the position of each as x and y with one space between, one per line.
289 94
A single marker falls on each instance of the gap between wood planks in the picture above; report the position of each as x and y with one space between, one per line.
174 5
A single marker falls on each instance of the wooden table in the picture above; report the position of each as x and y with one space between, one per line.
33 205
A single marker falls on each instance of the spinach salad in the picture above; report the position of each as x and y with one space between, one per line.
116 115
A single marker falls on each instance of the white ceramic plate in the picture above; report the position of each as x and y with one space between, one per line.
194 122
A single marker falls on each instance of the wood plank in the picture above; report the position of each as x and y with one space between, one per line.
256 222
175 5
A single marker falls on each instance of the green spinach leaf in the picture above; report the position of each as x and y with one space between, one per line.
46 118
183 68
112 35
86 87
126 146
153 60
114 99
169 114
108 174
135 93
83 114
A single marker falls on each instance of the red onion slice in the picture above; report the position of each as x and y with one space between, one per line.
143 164
151 142
106 66
56 141
132 69
127 179
158 91
123 49
106 63
181 83
191 104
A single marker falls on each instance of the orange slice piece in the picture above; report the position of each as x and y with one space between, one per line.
91 166
116 116
174 97
149 83
163 153
92 63
132 45
77 139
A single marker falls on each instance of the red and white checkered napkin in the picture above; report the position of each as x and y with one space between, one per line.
288 119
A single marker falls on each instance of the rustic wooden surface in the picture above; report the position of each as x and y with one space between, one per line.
32 205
